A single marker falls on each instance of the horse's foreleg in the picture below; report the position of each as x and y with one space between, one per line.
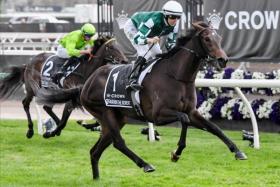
51 113
200 122
182 141
26 105
166 115
110 120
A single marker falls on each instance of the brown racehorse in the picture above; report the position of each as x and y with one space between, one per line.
105 50
175 100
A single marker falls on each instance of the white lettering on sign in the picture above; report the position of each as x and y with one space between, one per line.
256 20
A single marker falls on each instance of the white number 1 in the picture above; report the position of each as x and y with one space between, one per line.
115 76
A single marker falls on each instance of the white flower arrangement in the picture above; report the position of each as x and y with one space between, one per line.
205 108
265 109
238 74
226 111
235 109
200 75
244 110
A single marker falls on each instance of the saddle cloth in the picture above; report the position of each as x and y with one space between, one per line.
50 67
115 94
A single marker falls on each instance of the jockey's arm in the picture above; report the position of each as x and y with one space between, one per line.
143 31
88 48
71 48
72 51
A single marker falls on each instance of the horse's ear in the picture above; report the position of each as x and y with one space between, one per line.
108 37
197 25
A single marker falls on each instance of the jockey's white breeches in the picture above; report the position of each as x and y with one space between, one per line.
62 52
130 31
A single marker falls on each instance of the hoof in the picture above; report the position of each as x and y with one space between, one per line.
48 134
57 133
240 156
30 133
148 168
174 157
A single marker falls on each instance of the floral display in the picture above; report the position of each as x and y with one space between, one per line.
234 109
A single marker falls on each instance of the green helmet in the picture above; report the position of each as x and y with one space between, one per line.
88 28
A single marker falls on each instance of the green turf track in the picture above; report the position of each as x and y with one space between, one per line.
64 160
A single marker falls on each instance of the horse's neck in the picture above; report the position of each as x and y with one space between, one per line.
185 65
93 64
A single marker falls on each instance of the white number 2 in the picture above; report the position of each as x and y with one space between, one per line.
115 76
49 67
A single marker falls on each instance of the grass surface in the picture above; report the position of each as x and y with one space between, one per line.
64 160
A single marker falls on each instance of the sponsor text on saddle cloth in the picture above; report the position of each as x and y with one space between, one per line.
51 66
115 94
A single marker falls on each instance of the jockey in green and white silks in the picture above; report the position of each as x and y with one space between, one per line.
144 30
73 45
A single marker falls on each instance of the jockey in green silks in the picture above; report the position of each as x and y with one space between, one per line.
144 29
73 45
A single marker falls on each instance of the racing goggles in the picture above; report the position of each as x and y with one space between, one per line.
88 35
174 17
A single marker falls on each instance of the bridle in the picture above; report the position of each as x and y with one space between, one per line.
207 57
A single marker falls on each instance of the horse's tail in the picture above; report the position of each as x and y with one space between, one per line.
53 96
12 82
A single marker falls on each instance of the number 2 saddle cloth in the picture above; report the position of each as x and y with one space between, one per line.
50 67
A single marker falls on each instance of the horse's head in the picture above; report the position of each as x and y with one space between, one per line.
208 44
110 50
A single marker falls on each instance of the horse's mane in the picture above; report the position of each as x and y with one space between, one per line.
99 42
182 41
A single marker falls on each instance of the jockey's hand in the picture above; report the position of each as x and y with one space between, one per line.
85 52
153 40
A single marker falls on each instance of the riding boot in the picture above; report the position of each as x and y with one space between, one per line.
63 69
137 68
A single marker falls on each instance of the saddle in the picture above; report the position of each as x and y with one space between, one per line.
115 94
50 67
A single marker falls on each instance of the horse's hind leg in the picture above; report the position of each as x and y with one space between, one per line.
111 121
26 105
95 153
65 116
51 113
198 121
